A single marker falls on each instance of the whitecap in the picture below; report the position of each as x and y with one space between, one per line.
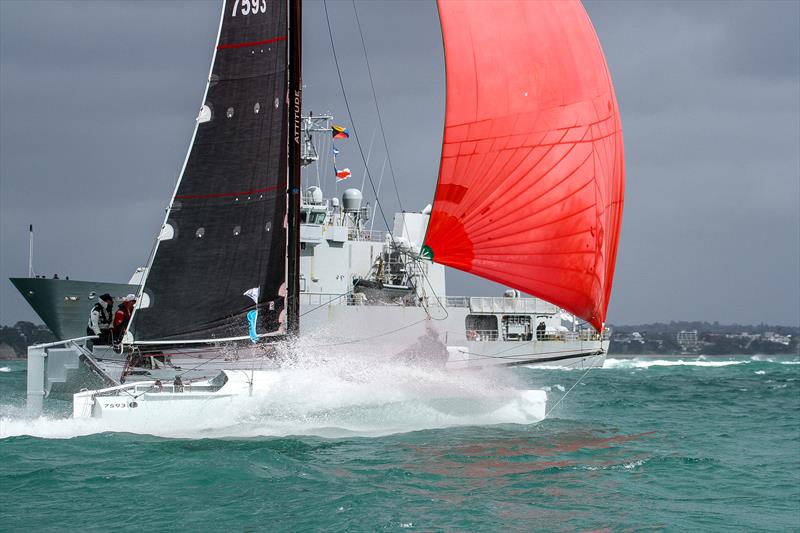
647 363
633 464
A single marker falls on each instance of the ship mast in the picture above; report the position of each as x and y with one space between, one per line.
293 188
30 251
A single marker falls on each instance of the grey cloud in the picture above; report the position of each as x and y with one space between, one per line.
98 99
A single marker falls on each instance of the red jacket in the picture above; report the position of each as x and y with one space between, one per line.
121 319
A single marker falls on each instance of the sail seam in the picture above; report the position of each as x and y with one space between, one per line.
251 43
224 194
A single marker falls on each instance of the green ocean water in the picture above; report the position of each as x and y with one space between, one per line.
643 444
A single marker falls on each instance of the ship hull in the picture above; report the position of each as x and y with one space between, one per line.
64 305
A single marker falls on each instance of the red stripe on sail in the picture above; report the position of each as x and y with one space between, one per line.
222 194
251 43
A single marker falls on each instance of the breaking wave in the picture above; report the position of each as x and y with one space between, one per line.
647 363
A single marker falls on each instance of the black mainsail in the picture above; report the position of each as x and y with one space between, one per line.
225 233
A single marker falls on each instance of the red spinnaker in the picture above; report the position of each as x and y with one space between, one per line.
531 182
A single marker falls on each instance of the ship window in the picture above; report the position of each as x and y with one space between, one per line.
229 113
303 217
200 232
237 230
517 328
481 327
256 108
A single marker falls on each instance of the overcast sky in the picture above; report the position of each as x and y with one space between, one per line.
98 100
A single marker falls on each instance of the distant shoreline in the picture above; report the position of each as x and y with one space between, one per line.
673 340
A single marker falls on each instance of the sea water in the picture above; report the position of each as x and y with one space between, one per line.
688 443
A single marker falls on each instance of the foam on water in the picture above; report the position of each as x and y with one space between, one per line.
647 363
5 369
332 398
644 362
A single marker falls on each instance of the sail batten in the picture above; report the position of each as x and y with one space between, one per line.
530 188
225 230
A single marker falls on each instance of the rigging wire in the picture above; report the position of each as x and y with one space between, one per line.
352 122
388 154
377 108
566 393
369 155
358 142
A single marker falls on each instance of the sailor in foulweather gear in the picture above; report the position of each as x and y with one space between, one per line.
100 319
540 330
123 316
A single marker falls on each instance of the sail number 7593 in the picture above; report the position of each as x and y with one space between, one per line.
249 7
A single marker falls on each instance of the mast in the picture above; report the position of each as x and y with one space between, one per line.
293 189
30 251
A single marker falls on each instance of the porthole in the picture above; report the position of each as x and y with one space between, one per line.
229 112
237 230
256 108
200 232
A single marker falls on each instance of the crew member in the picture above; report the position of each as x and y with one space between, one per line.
123 316
540 329
100 319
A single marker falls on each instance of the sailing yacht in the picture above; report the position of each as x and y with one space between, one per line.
250 264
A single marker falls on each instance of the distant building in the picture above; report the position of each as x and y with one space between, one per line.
771 336
688 341
628 338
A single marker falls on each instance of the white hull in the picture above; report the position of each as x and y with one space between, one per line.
147 406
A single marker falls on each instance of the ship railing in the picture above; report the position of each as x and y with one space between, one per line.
65 342
488 335
495 304
320 298
355 234
483 335
456 301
